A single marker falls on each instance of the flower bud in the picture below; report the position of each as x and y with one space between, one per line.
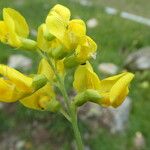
88 95
53 105
47 35
71 61
28 44
59 52
39 81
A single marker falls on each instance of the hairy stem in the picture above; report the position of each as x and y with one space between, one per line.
72 113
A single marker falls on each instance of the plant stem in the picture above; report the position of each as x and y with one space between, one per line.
70 106
73 116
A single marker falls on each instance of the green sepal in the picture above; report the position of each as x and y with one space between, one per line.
59 52
28 44
39 81
87 95
71 61
53 105
48 36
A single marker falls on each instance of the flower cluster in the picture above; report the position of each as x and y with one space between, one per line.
63 44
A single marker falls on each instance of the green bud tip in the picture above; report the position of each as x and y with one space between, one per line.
39 81
87 95
28 44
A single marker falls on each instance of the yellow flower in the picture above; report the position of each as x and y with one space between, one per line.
43 43
44 98
85 78
13 84
14 30
75 31
40 99
113 89
45 68
85 49
51 34
57 21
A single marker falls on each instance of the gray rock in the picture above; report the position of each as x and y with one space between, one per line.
85 2
139 141
92 23
114 119
120 116
20 62
139 60
108 68
33 32
1 105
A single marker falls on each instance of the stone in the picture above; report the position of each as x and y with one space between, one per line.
108 68
139 141
113 119
19 61
20 145
33 32
92 23
1 105
138 60
111 11
120 116
85 2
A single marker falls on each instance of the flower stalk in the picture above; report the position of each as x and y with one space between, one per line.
71 108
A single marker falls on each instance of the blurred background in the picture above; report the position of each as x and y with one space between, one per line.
123 40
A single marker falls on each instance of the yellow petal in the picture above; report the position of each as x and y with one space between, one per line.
21 81
3 32
85 78
8 91
45 68
120 89
56 26
64 12
39 99
107 84
77 27
42 43
76 30
85 49
15 22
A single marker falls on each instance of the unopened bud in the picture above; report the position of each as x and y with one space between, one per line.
28 44
48 36
59 52
71 61
88 95
39 81
53 105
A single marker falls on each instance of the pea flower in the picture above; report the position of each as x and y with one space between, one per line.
51 33
44 98
57 21
84 51
14 30
113 89
14 85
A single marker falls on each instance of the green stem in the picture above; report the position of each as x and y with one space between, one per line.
73 116
63 112
71 108
76 129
